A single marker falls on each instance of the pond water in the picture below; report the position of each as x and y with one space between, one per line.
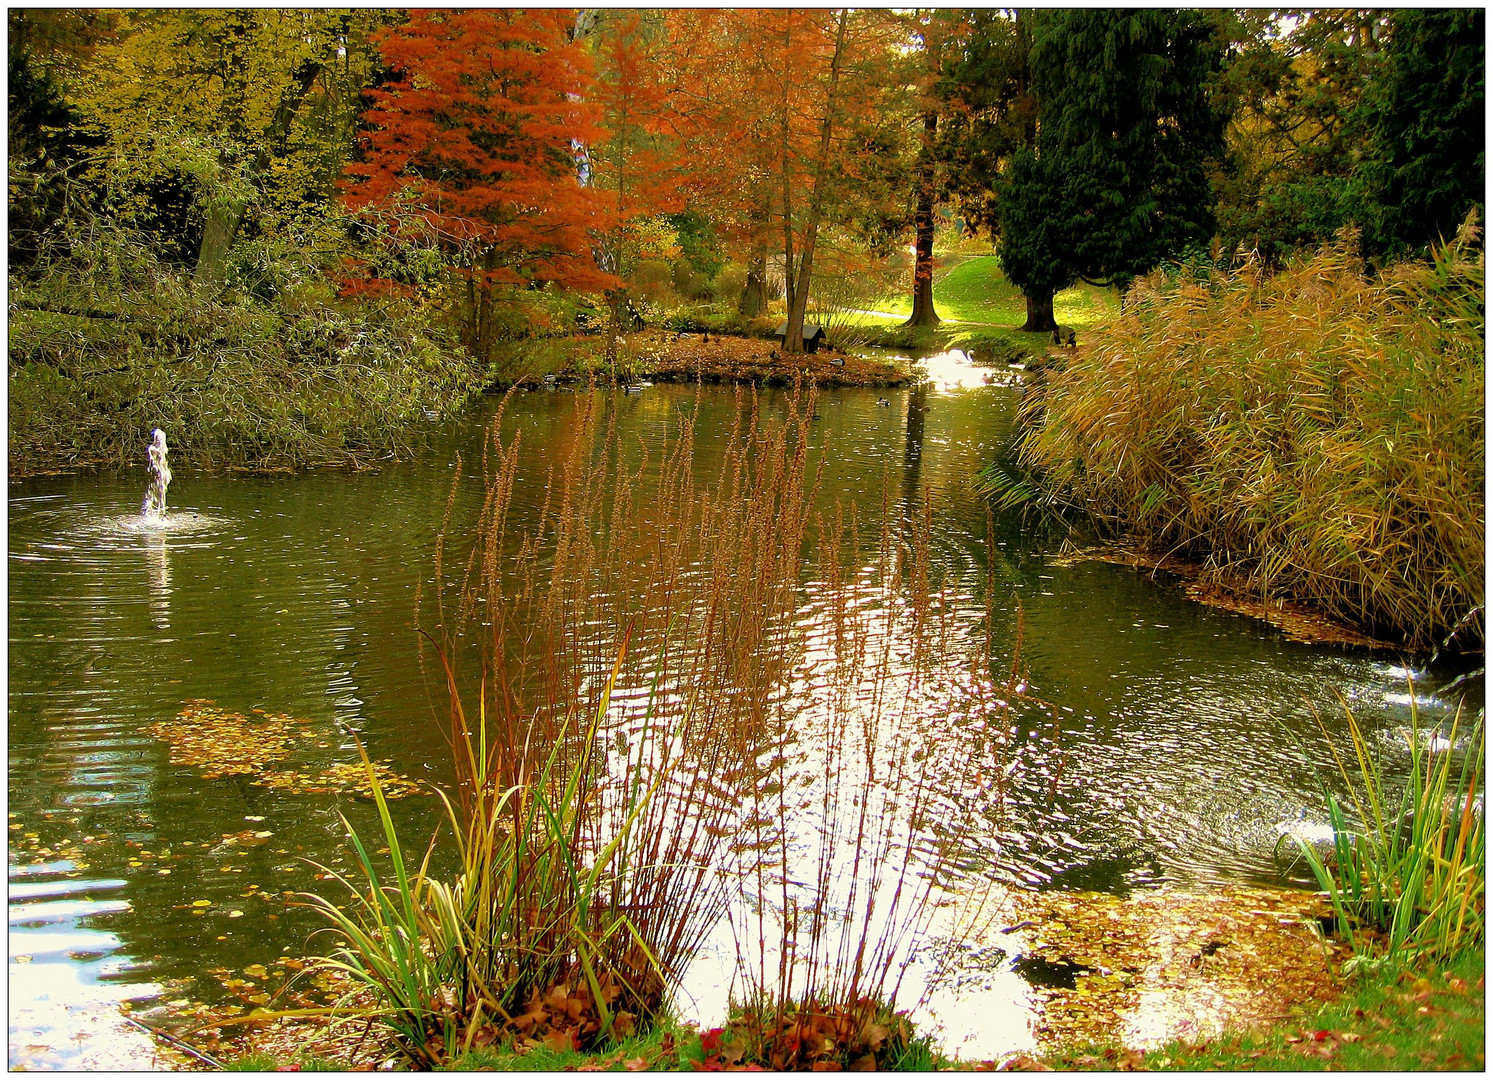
1177 755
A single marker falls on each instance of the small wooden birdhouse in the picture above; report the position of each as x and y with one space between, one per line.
813 336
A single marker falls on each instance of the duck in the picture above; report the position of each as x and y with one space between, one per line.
837 362
883 402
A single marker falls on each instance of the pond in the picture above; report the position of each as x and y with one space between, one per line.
1173 745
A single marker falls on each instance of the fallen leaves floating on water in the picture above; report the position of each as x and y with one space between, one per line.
345 777
1162 965
225 743
222 743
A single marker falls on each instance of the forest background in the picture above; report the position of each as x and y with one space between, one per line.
295 236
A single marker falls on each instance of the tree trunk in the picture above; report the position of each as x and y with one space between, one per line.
616 298
754 293
923 312
1039 312
225 218
793 342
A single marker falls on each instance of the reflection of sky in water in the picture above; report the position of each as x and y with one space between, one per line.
64 1006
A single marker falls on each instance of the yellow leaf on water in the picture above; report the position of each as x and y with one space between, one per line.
202 903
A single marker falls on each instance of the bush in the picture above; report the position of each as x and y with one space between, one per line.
111 343
729 284
1317 434
652 278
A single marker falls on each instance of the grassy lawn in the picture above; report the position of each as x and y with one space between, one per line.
978 305
1431 1018
974 290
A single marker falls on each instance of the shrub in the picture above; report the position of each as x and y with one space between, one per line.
110 343
1316 434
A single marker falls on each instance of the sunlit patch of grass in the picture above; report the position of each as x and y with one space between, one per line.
1313 435
975 291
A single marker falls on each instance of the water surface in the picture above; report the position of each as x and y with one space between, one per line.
1177 747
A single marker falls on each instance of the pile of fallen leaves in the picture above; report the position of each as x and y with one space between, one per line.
1298 621
809 1037
221 742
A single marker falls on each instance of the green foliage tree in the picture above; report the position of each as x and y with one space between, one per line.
1118 175
1426 136
1295 136
249 110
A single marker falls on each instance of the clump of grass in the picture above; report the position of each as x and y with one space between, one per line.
1408 864
1315 435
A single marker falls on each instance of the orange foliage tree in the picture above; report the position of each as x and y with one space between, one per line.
473 152
637 169
772 106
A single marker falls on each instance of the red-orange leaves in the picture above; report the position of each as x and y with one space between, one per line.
473 149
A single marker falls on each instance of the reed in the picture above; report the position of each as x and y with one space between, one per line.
1316 434
716 699
1409 861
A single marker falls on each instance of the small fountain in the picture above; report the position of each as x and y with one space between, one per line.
160 477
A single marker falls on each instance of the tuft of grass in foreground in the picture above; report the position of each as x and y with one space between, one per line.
1408 866
1392 1018
1314 435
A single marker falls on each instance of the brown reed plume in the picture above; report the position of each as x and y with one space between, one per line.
677 689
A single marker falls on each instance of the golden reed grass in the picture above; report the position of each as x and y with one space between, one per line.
1314 434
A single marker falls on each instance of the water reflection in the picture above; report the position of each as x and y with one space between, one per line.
158 578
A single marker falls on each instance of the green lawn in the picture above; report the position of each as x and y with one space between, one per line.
974 290
979 306
1429 1018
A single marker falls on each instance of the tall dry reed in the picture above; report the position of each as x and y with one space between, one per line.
680 686
1315 434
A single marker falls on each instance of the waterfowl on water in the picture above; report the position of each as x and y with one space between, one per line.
837 362
883 402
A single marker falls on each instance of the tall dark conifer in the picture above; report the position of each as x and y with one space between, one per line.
1117 176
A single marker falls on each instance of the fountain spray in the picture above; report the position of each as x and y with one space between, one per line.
160 476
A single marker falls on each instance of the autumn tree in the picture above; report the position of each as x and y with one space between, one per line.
937 33
472 152
221 100
637 165
777 109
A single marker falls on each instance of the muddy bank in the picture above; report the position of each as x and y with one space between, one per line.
1298 621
